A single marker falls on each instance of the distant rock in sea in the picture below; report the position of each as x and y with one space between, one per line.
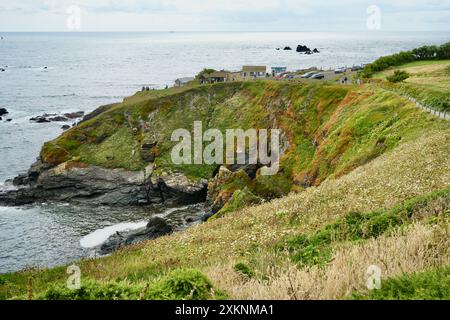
57 118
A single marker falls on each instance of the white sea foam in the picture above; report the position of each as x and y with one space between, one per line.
99 236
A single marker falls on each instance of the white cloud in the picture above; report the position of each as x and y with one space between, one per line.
218 14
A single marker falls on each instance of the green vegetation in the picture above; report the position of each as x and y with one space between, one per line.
423 53
181 284
316 249
244 269
239 200
363 180
428 285
398 76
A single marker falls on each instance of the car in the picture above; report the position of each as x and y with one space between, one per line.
339 70
318 76
308 74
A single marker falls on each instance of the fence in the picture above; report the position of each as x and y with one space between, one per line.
440 114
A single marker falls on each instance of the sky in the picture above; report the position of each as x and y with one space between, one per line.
224 15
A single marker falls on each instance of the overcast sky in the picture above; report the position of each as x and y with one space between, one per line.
224 15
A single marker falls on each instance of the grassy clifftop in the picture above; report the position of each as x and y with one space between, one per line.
378 171
329 130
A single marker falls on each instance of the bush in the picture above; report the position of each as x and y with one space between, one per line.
92 290
244 269
398 76
429 285
181 284
422 53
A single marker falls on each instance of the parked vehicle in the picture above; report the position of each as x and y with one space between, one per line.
318 76
308 74
339 70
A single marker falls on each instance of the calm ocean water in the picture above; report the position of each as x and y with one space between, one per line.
86 70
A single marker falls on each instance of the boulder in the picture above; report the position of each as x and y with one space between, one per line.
58 119
40 119
74 115
156 227
3 111
147 153
65 127
287 48
303 49
53 117
316 51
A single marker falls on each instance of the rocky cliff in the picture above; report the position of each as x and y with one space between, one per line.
120 154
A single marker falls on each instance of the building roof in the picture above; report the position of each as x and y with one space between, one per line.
185 79
254 68
217 74
279 68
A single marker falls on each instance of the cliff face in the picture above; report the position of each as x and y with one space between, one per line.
121 153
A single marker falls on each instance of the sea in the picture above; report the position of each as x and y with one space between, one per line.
67 72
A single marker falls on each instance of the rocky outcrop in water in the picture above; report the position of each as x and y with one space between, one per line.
81 183
173 220
3 111
156 227
305 50
45 118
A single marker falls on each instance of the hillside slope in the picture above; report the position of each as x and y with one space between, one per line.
327 131
365 180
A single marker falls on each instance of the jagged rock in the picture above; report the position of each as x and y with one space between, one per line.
147 153
74 115
58 119
3 111
40 119
303 49
9 120
157 227
250 169
81 183
287 48
316 51
65 127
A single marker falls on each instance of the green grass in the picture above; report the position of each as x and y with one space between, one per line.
180 284
331 131
316 248
428 285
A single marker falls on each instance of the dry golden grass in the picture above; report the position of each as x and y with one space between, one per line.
416 249
414 168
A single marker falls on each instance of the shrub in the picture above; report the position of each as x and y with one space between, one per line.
398 76
92 290
429 285
244 269
181 284
422 53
